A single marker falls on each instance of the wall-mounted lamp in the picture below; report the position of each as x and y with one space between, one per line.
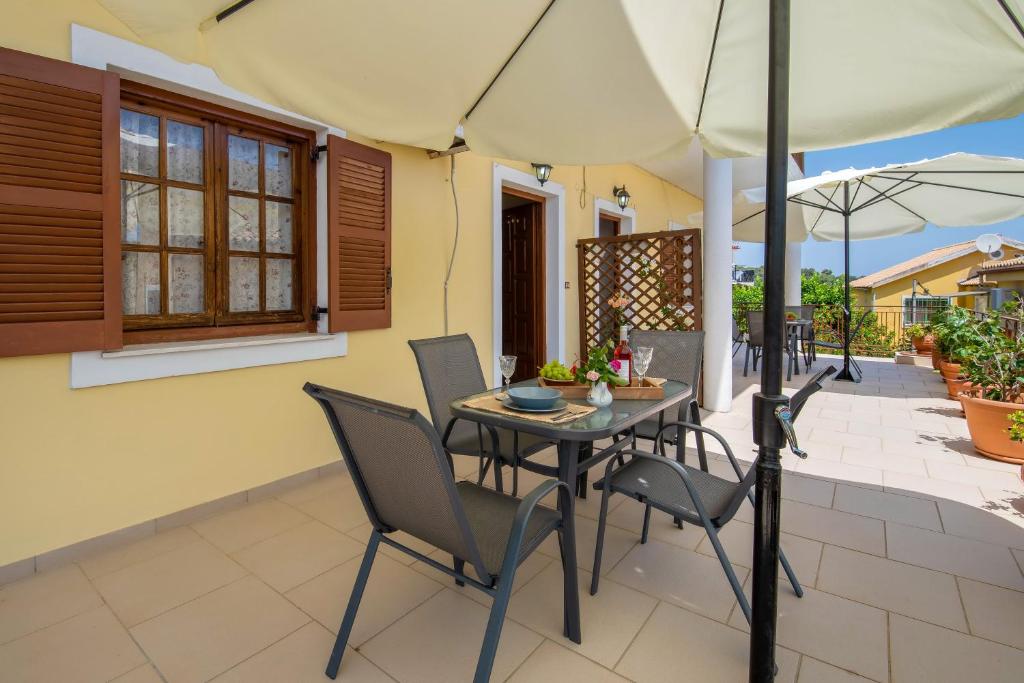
542 171
621 196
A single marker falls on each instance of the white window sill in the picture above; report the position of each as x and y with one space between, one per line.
172 359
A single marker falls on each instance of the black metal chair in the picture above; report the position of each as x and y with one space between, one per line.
807 313
737 338
854 335
691 494
755 338
450 369
402 475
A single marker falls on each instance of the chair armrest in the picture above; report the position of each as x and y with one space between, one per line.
698 428
526 507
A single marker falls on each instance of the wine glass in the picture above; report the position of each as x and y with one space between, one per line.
642 360
508 368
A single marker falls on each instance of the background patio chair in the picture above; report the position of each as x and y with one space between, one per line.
450 369
401 473
755 338
737 337
854 335
807 313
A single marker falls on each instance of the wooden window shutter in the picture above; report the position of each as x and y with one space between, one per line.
60 242
359 236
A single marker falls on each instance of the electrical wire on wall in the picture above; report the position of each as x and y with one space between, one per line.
583 190
455 245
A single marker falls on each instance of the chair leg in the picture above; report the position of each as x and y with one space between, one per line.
353 605
494 623
702 454
515 477
601 523
797 588
460 567
729 572
647 524
570 588
498 484
746 360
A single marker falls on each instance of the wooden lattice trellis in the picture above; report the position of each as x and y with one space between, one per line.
660 273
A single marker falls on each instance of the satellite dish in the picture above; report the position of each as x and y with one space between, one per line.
996 255
988 243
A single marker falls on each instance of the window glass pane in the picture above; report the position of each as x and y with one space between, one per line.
185 283
244 283
140 143
243 164
140 213
184 152
278 171
279 227
279 284
243 223
140 282
184 218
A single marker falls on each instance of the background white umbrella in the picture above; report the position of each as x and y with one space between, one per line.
956 190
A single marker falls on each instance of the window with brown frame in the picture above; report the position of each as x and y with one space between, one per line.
214 220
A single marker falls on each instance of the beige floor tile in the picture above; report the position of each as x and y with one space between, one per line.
43 600
551 661
935 489
861 441
297 555
629 517
301 657
813 671
841 632
835 527
888 506
922 653
392 591
332 483
914 591
962 474
617 543
738 540
139 551
362 534
207 636
679 645
810 490
241 527
144 674
682 577
994 613
994 523
342 511
961 556
92 646
1019 556
840 471
609 619
533 565
440 641
145 589
885 461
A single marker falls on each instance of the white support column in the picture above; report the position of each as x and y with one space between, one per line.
717 245
793 250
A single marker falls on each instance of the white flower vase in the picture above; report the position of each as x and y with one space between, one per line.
599 395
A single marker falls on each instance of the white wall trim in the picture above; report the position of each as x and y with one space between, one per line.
554 259
628 216
109 53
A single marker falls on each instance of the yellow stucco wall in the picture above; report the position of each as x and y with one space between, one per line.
78 463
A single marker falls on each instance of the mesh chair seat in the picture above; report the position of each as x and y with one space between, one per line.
648 429
491 515
665 488
464 440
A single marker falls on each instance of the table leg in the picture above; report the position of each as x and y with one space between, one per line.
568 466
681 449
585 451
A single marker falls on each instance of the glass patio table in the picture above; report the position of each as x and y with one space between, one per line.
574 439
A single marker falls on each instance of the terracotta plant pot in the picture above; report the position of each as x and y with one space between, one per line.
923 344
949 370
936 357
955 386
989 424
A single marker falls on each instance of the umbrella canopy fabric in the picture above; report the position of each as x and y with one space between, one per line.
956 190
604 81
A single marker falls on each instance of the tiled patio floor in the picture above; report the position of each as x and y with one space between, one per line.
910 547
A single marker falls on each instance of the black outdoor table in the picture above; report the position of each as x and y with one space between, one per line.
608 422
795 330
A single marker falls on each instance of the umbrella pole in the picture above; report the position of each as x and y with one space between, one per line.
767 431
846 374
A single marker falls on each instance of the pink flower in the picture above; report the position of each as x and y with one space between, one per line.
593 375
616 365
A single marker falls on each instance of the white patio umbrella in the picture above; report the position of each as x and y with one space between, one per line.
610 81
956 190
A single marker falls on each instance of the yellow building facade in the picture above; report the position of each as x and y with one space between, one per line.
77 463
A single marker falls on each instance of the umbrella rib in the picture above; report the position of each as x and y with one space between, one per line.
829 198
509 60
711 60
753 215
1013 18
966 189
884 195
804 202
899 204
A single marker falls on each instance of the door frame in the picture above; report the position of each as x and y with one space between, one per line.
627 216
504 177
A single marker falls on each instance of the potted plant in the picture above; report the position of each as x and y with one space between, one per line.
921 338
995 368
599 372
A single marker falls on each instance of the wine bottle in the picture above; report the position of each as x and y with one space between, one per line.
624 355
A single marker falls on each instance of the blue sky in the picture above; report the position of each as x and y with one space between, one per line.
1000 138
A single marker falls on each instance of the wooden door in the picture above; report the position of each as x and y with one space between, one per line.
522 245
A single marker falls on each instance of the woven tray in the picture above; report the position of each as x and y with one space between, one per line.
652 389
492 404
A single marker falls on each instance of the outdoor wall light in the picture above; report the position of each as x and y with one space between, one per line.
543 172
621 196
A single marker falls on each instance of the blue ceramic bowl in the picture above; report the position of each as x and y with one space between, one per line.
536 398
